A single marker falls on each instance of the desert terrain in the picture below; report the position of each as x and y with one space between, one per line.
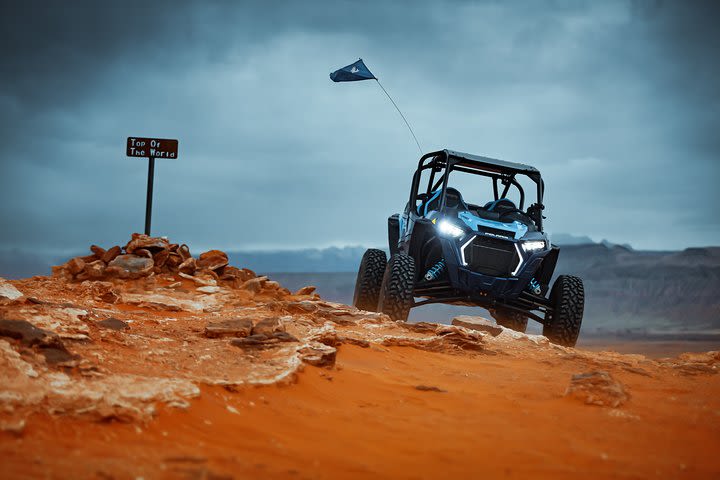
148 362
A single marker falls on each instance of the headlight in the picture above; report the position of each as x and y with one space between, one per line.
449 229
533 245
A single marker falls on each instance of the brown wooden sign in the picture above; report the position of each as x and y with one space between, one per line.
152 147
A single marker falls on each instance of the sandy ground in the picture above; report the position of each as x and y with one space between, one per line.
498 417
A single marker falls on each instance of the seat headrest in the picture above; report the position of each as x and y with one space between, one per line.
500 202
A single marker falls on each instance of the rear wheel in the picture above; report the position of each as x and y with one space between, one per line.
396 293
512 320
562 325
369 280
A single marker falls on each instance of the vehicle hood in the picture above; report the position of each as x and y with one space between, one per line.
517 229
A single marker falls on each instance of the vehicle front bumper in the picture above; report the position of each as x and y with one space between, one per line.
483 287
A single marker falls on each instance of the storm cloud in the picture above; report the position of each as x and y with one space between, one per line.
617 103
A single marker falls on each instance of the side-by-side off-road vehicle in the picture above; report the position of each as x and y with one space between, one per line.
493 254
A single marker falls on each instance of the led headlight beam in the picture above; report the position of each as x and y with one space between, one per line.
528 246
447 228
532 245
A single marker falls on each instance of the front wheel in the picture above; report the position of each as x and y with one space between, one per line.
396 293
562 325
369 280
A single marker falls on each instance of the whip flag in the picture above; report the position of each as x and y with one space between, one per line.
358 71
352 73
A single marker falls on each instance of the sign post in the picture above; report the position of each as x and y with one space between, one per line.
148 201
151 148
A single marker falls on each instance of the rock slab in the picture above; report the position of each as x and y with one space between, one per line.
477 323
239 327
8 291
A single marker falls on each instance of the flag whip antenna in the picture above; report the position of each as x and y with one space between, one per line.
401 114
358 71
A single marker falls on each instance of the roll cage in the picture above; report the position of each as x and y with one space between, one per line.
501 172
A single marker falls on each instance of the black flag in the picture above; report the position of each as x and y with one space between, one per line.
352 73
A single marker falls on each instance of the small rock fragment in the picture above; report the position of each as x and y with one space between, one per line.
327 337
306 290
173 261
254 284
263 340
230 273
249 341
95 269
318 354
303 306
8 290
26 332
188 266
160 258
111 254
75 265
143 252
130 266
199 280
184 252
212 260
428 388
142 241
57 355
477 323
110 297
268 326
15 427
284 337
113 323
597 388
238 327
208 289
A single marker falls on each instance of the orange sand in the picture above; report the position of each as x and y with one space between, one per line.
500 417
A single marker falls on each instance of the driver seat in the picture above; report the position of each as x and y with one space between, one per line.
499 205
453 200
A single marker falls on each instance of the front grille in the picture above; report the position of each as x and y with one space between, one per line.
491 256
497 232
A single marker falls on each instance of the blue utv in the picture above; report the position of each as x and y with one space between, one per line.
493 254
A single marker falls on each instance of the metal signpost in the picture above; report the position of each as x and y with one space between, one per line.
151 148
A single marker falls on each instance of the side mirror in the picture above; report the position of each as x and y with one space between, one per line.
534 211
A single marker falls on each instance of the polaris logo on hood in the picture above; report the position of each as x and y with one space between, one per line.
497 233
504 237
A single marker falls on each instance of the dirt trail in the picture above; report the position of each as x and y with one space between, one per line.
131 378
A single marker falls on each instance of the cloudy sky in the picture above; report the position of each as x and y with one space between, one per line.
617 103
